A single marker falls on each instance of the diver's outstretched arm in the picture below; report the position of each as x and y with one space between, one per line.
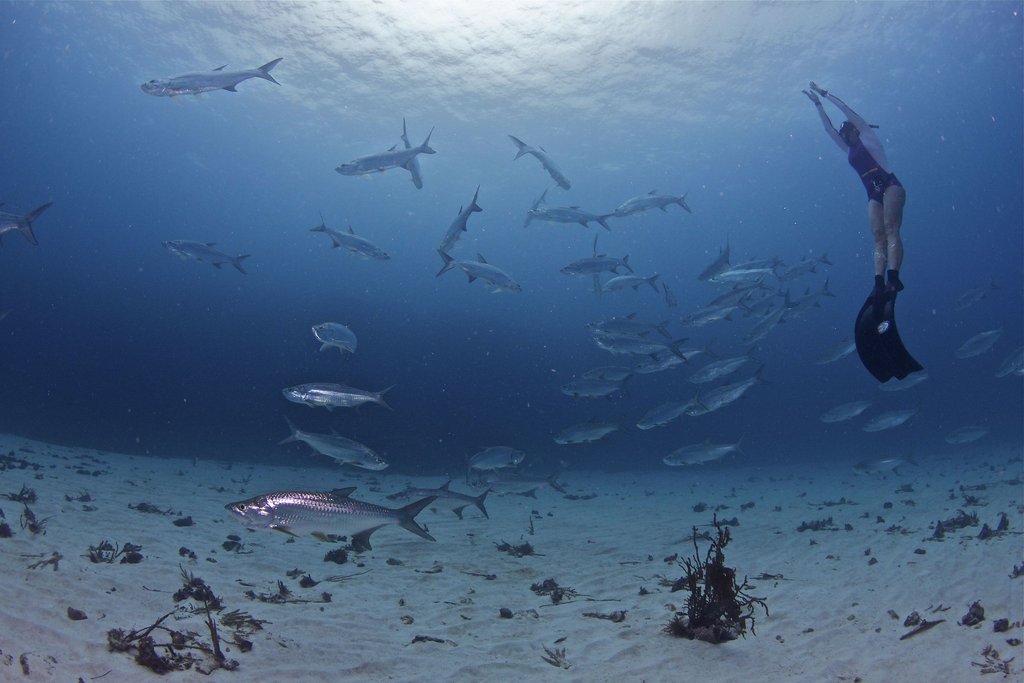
825 121
866 130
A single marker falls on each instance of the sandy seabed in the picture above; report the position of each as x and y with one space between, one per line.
837 599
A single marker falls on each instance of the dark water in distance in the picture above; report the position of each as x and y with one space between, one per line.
112 342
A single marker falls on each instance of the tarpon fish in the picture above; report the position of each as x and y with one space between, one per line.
459 225
670 299
718 369
585 432
612 373
663 414
629 345
203 251
700 453
567 214
585 387
9 222
840 350
634 281
331 396
979 343
361 246
846 411
878 465
496 457
499 280
1011 365
393 158
345 451
543 158
719 397
321 514
597 263
708 315
973 296
198 83
805 266
742 275
968 434
651 200
337 336
893 418
504 483
903 384
445 497
628 325
413 165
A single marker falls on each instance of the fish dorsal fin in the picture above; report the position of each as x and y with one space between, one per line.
652 193
481 258
343 492
221 67
444 486
595 244
350 230
631 315
575 206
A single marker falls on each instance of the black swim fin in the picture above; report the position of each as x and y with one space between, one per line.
878 341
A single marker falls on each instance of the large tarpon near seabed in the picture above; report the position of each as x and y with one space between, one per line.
198 83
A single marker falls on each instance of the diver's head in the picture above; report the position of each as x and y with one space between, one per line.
849 133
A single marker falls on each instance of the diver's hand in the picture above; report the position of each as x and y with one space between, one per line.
816 88
812 97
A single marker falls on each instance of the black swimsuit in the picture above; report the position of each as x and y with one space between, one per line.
875 180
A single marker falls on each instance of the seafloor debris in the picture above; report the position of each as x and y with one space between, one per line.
818 525
52 560
551 588
993 663
25 495
975 615
521 550
717 609
556 657
614 617
106 552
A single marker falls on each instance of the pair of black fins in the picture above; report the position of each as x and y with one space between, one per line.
878 341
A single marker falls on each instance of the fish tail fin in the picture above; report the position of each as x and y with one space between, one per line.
264 71
407 515
425 148
625 263
653 281
682 203
553 482
603 222
449 263
237 263
522 147
291 438
473 206
825 291
380 397
479 503
677 346
25 225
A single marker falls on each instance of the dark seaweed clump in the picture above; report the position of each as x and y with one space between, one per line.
107 552
551 588
25 495
717 609
521 550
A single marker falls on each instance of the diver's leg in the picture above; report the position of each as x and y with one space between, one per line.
876 220
892 202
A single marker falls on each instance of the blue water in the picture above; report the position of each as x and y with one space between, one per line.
112 342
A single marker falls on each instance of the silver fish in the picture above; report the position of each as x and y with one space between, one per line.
700 453
634 281
893 418
629 325
1012 364
973 296
840 350
708 315
496 457
878 465
904 384
846 411
670 299
331 396
499 280
567 214
979 343
203 251
9 222
383 161
597 264
718 369
742 275
651 200
458 225
197 83
360 246
592 388
719 397
443 496
968 434
613 373
585 432
321 514
504 483
345 451
337 336
806 265
545 161
413 165
663 414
